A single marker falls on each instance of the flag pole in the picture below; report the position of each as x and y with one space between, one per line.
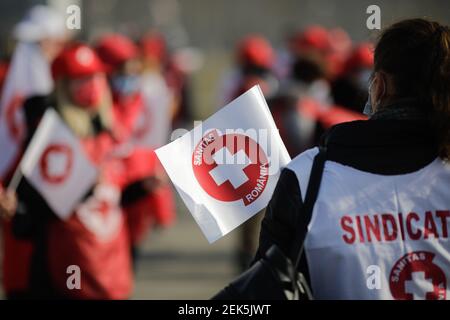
17 177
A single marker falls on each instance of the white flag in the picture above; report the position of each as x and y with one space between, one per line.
55 164
226 168
28 75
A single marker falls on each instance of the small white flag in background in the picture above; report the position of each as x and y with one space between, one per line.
29 75
55 164
226 169
153 124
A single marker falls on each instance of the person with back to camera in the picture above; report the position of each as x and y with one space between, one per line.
383 207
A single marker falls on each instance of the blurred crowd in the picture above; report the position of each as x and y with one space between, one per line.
121 97
319 79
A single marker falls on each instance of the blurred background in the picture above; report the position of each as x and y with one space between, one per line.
178 262
215 26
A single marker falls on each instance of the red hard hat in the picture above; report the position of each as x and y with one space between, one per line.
361 57
313 37
115 49
257 51
153 45
340 41
77 60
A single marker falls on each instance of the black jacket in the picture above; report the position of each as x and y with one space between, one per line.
387 147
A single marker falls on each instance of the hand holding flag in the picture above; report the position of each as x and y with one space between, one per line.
226 169
56 165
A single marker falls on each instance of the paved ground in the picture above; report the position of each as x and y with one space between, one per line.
179 263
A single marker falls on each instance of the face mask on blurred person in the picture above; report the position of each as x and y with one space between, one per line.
125 85
88 92
368 110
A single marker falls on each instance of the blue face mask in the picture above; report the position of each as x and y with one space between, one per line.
368 108
125 85
362 79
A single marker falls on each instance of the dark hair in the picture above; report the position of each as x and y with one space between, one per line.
308 68
416 54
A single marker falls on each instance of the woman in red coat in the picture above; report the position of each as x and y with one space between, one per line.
95 237
148 199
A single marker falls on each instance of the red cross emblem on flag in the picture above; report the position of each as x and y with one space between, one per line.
230 167
56 163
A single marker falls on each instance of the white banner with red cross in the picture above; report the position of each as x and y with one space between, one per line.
226 168
28 75
55 164
152 126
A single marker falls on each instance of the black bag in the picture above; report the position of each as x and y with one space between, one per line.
275 277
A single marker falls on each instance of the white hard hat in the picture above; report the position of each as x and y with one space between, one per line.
40 22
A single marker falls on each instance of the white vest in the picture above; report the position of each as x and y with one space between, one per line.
375 236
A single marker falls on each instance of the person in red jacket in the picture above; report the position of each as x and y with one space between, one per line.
40 36
121 59
304 107
350 88
148 200
15 253
95 237
254 60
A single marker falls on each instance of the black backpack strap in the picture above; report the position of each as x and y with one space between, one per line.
312 191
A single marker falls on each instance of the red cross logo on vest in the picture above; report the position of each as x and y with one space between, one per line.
230 167
415 276
56 163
